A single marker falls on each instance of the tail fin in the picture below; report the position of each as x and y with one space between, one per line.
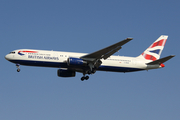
154 51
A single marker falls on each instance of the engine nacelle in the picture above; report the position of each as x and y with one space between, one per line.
76 61
66 73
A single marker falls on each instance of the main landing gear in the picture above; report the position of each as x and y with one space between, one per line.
18 67
84 78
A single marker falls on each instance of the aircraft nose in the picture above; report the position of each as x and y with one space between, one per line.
7 57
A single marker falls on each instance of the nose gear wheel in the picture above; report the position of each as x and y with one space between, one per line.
18 67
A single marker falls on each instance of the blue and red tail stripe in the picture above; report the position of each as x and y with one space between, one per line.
159 43
156 51
149 57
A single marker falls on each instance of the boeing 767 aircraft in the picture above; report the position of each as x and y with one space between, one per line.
102 60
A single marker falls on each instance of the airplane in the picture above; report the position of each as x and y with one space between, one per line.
102 60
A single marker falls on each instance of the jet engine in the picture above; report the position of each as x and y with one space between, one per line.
66 73
76 61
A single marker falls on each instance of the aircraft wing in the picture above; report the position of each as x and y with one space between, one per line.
105 52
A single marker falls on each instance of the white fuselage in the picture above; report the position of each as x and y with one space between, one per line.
58 59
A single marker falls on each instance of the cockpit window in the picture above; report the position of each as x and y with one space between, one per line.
12 53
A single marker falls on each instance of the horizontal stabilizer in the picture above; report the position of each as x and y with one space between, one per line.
160 61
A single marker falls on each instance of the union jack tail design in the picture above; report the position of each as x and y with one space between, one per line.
154 51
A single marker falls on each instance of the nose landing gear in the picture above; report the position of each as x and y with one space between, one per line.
18 67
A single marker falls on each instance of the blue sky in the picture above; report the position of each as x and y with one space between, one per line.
86 26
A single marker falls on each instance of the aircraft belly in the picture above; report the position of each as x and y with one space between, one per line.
118 69
122 66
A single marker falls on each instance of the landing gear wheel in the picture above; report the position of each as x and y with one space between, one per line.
82 79
18 70
87 77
